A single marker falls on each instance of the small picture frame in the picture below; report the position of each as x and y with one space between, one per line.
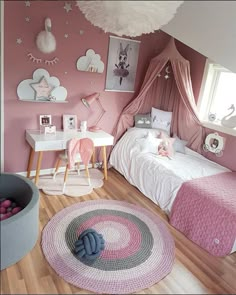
69 122
45 120
214 143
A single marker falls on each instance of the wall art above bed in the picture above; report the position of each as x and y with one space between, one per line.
41 88
122 64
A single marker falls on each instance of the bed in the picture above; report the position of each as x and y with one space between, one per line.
159 178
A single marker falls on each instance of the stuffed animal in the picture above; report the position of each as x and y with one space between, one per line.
163 149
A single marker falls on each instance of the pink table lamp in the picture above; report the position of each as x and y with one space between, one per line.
88 101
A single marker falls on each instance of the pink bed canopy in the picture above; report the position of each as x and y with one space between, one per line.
174 94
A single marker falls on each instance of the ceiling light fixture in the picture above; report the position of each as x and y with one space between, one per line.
129 18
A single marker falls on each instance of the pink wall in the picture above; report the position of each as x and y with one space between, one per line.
21 115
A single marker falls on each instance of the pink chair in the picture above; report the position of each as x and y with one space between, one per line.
79 151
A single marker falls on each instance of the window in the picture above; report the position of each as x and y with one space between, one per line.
217 101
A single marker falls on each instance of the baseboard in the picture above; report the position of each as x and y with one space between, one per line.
51 170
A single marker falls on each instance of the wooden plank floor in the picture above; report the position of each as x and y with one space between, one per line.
194 272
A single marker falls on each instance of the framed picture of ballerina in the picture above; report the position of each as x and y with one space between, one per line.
122 64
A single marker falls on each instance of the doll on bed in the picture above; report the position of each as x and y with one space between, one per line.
165 148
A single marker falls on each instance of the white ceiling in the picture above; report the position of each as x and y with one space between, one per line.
209 27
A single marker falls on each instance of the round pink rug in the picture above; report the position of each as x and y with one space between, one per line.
139 250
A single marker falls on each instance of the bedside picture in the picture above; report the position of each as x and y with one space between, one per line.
69 122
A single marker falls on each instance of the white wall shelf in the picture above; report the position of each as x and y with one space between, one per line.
41 87
47 101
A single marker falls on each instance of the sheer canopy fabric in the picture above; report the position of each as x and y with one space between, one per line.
174 94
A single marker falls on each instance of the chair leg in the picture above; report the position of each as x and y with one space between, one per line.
65 178
93 157
88 175
57 167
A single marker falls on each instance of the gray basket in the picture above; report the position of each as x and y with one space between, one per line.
19 233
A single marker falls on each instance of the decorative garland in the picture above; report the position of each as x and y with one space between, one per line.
33 58
39 60
51 62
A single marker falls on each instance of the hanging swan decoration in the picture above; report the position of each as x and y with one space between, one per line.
46 41
228 120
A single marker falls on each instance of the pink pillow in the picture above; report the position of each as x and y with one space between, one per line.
166 146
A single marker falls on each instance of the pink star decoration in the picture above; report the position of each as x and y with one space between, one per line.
42 88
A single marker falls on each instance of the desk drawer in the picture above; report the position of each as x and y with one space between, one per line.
49 145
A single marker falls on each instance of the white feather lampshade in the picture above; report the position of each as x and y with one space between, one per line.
129 18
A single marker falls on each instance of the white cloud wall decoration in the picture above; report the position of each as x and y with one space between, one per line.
29 89
91 62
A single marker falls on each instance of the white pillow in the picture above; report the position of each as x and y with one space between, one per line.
161 120
149 143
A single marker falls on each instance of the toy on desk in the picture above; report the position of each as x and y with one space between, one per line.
214 143
83 126
50 129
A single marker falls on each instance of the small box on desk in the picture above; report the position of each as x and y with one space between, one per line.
48 129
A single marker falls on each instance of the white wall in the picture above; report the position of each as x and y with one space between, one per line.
209 27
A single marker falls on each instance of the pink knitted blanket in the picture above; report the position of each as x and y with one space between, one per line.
205 211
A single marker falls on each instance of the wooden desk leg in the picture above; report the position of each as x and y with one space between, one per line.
104 161
38 167
94 157
30 162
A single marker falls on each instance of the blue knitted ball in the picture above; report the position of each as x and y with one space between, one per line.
89 244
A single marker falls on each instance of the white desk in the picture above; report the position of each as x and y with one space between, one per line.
41 142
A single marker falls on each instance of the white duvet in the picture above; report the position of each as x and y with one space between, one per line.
159 178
